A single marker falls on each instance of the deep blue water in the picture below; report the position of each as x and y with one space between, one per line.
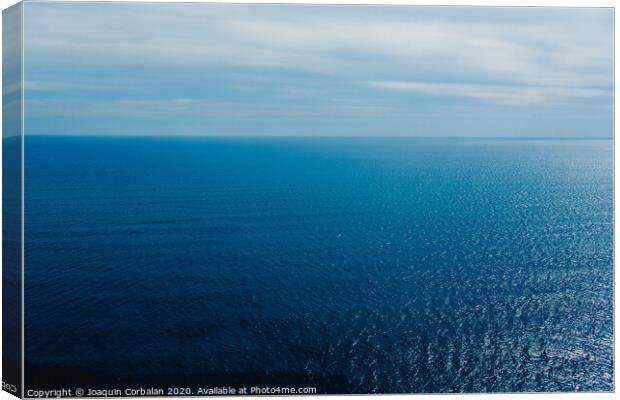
399 265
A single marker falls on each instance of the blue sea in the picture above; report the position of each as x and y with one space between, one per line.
357 265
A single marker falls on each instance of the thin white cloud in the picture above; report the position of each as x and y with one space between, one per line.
197 107
497 94
349 70
574 51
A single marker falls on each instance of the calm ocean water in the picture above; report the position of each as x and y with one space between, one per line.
367 264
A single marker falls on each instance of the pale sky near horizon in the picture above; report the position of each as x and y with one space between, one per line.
222 69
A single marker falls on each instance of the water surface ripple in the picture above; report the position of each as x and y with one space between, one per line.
400 265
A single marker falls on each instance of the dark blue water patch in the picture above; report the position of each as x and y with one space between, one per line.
398 264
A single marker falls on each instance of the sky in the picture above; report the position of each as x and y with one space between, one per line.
227 70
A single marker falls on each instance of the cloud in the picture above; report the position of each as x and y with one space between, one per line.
548 49
255 68
497 94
